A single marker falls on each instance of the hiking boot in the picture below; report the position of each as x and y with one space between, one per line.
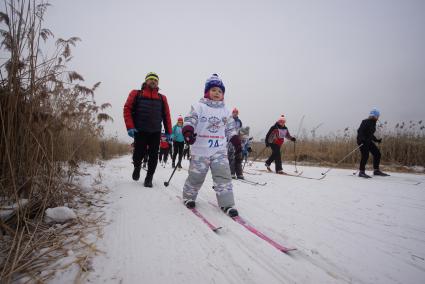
363 175
379 173
281 172
234 176
173 164
240 177
136 172
179 165
268 168
148 182
189 203
232 212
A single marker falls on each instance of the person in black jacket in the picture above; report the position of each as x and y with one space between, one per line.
274 139
366 138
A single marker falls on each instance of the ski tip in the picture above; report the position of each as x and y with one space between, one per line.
288 250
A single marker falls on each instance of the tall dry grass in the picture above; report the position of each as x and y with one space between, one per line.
49 122
403 146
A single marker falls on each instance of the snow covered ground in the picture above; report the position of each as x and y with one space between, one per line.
346 230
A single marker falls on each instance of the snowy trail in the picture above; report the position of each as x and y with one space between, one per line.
345 229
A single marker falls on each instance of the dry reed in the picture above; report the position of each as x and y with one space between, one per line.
49 123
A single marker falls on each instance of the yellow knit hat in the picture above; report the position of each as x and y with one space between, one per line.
152 75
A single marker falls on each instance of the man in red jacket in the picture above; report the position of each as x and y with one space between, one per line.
144 111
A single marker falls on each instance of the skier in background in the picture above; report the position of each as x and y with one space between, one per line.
178 142
246 142
235 159
366 138
164 146
274 139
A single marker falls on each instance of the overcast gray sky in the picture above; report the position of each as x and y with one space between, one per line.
330 60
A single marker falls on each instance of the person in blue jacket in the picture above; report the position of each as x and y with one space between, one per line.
178 142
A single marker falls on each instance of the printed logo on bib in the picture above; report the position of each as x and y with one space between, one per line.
214 124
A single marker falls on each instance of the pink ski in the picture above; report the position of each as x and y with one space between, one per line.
211 226
241 221
200 216
253 230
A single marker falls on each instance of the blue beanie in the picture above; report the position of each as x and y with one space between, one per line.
374 112
214 81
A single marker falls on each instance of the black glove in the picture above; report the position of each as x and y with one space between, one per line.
379 140
249 149
267 144
293 139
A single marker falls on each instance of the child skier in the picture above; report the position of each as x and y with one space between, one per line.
207 127
235 160
274 139
164 146
246 142
178 142
366 137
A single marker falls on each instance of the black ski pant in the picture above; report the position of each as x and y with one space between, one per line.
186 153
275 156
235 162
178 149
146 142
364 150
163 154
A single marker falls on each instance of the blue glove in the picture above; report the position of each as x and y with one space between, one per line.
169 138
131 132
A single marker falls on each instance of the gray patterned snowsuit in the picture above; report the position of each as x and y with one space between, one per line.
214 125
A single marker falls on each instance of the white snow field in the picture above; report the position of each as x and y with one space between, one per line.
346 230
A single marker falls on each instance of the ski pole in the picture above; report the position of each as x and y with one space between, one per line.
349 154
166 183
295 154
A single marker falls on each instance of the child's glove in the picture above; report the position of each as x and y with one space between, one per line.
236 142
189 134
131 132
169 138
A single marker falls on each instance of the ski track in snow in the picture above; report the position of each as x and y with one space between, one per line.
345 229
